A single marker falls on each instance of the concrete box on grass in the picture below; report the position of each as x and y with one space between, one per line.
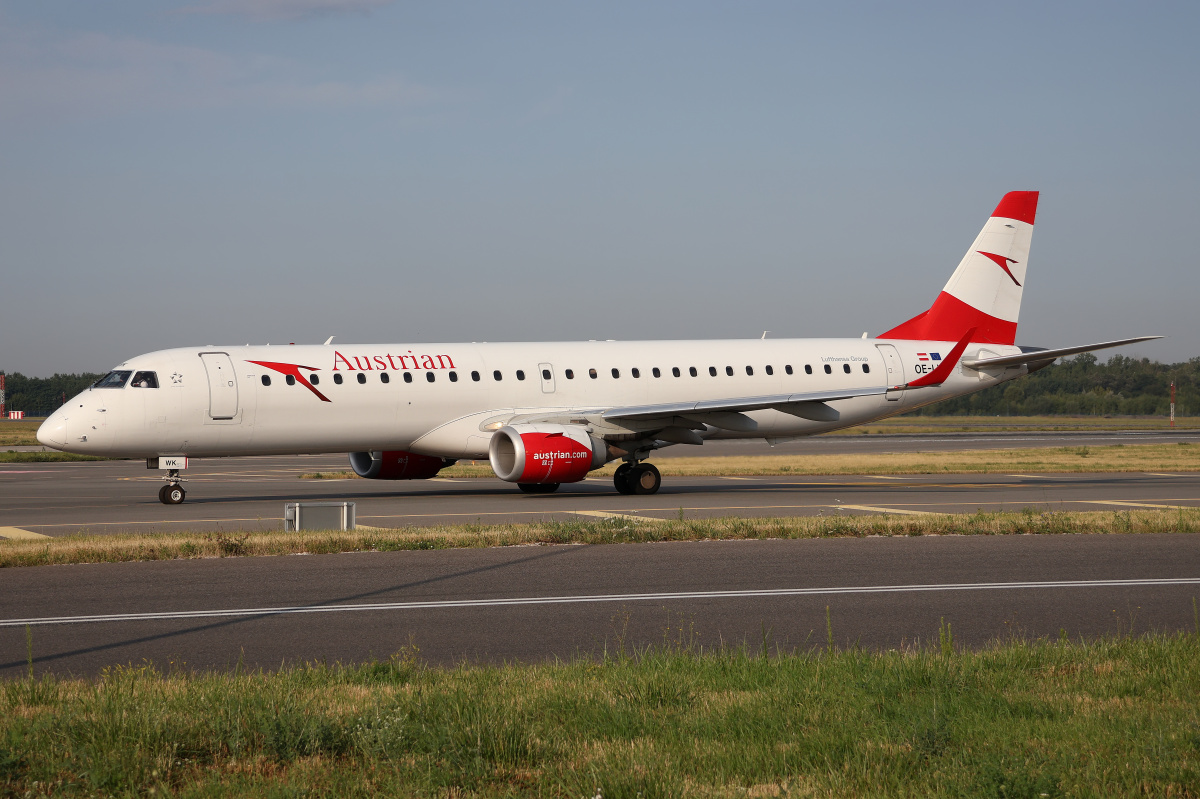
318 516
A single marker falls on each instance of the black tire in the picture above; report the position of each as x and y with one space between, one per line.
645 479
172 495
621 479
538 488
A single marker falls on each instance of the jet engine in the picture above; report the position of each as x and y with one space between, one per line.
545 453
396 465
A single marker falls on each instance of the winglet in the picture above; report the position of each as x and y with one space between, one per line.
939 375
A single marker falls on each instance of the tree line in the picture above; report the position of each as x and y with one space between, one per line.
1082 386
1078 386
41 396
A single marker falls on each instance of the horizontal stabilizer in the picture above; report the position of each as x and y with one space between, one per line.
1034 356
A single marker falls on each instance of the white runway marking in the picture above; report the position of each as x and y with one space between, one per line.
17 533
888 510
593 598
603 514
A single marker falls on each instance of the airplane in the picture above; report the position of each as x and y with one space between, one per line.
548 413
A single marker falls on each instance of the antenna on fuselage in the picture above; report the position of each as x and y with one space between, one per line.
764 335
328 340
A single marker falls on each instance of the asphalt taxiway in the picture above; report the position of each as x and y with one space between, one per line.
534 603
51 499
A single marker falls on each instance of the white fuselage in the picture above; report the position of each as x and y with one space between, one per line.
452 400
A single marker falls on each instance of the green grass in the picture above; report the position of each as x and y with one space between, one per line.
124 547
45 457
1115 717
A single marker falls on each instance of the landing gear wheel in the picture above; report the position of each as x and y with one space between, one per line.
645 479
171 494
538 488
621 479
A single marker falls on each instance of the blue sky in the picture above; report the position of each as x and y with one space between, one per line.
232 171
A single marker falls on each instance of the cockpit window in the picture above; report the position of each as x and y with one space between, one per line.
114 379
145 380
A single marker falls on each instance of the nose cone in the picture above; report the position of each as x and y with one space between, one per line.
53 432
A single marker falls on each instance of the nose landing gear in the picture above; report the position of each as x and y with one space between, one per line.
637 478
172 493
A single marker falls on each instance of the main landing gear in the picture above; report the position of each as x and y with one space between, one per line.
637 478
172 493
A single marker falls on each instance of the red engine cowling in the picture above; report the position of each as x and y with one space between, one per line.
545 453
396 465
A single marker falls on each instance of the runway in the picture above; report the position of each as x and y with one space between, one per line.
534 603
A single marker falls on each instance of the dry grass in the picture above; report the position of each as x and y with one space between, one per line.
171 546
1118 458
22 433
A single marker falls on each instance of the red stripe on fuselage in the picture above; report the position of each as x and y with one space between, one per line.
949 319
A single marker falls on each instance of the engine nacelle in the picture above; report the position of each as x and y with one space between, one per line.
396 465
545 453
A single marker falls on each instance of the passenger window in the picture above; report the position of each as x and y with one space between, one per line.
866 369
316 379
788 369
145 380
337 379
362 378
383 377
634 371
290 380
113 380
675 371
407 377
770 370
655 371
592 373
545 374
520 374
846 368
692 371
807 369
729 371
616 373
570 373
430 376
828 369
454 377
266 380
475 376
750 370
712 371
497 376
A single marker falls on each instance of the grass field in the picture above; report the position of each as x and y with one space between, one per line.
49 456
86 548
1115 717
1181 457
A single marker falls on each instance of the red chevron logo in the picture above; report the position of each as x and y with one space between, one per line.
293 370
1001 262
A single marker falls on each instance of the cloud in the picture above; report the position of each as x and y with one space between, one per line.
286 9
53 76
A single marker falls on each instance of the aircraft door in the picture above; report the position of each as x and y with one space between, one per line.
222 385
895 371
547 375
